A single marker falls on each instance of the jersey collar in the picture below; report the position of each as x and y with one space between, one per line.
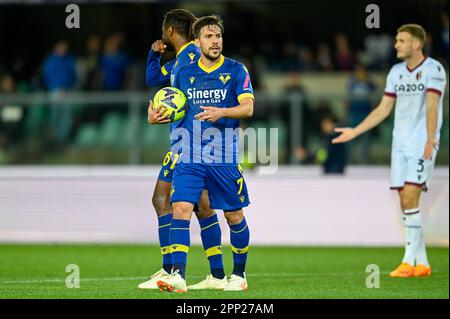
418 65
214 67
184 47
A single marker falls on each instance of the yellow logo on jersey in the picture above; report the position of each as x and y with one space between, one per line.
172 191
166 172
192 79
191 56
224 79
242 198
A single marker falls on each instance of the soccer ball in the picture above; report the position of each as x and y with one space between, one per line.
173 100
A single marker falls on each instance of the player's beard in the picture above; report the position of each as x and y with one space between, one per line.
170 47
212 58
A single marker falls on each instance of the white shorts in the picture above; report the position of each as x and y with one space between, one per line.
409 167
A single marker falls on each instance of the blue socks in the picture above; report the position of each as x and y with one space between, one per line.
164 223
179 239
239 237
211 239
174 239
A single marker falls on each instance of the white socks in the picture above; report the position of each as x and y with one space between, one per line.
421 256
414 239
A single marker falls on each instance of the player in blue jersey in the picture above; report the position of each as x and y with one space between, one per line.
219 93
177 35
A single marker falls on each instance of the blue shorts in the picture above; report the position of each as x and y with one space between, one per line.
166 172
225 184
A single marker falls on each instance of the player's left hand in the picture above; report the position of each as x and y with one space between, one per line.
429 147
210 114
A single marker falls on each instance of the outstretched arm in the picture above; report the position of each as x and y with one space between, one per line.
378 115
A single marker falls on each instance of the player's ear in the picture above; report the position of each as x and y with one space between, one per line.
197 42
417 44
170 31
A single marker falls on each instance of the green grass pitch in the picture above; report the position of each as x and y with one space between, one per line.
114 271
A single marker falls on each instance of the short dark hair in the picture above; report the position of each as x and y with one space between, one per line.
181 20
415 30
207 20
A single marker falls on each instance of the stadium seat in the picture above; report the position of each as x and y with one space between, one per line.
154 135
87 136
111 130
36 118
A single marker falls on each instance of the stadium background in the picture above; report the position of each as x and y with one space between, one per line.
78 164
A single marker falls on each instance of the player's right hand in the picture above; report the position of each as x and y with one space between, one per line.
159 46
347 134
156 116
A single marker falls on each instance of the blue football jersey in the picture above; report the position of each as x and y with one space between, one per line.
165 75
223 85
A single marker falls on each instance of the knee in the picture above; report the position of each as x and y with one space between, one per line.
234 218
408 202
182 210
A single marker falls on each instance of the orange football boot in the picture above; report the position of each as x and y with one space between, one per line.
403 271
422 270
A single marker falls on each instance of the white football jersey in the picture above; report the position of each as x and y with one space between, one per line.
410 88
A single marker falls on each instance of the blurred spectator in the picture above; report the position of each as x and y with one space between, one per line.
428 45
360 90
306 60
114 64
290 57
308 122
88 66
445 35
59 76
345 59
59 68
7 84
267 49
378 50
11 124
324 60
333 157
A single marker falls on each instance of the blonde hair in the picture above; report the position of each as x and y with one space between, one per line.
415 30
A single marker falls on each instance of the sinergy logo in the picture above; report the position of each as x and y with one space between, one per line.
217 94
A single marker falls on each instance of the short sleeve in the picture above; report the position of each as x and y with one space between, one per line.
436 79
243 83
389 90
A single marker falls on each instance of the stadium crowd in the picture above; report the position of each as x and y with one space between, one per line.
107 65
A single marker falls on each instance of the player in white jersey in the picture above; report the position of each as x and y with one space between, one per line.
416 88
